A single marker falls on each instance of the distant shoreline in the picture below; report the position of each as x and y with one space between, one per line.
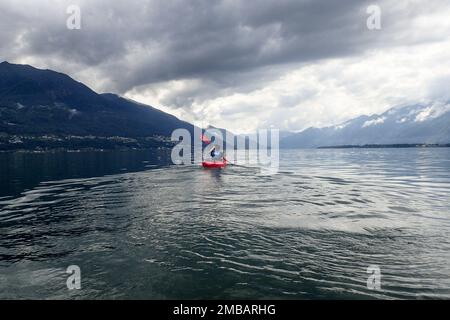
72 143
378 146
81 150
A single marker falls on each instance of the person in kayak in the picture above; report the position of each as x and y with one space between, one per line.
216 155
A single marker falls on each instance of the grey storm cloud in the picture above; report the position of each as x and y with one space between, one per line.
139 42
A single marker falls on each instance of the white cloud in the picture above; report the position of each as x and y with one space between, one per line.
319 94
434 111
373 122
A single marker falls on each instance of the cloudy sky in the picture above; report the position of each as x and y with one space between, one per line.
242 65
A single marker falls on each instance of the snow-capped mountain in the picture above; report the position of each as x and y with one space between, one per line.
420 123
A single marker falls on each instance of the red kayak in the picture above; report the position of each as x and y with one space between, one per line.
214 164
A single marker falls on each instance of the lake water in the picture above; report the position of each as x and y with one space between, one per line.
140 228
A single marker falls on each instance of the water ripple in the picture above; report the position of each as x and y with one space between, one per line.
309 231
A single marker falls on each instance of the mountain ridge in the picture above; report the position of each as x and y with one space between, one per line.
43 102
37 101
425 123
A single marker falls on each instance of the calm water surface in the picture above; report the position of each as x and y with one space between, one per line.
140 228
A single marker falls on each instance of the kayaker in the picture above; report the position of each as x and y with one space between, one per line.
216 155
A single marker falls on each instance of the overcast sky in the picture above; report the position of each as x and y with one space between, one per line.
242 65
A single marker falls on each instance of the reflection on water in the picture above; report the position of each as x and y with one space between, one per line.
161 231
21 170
